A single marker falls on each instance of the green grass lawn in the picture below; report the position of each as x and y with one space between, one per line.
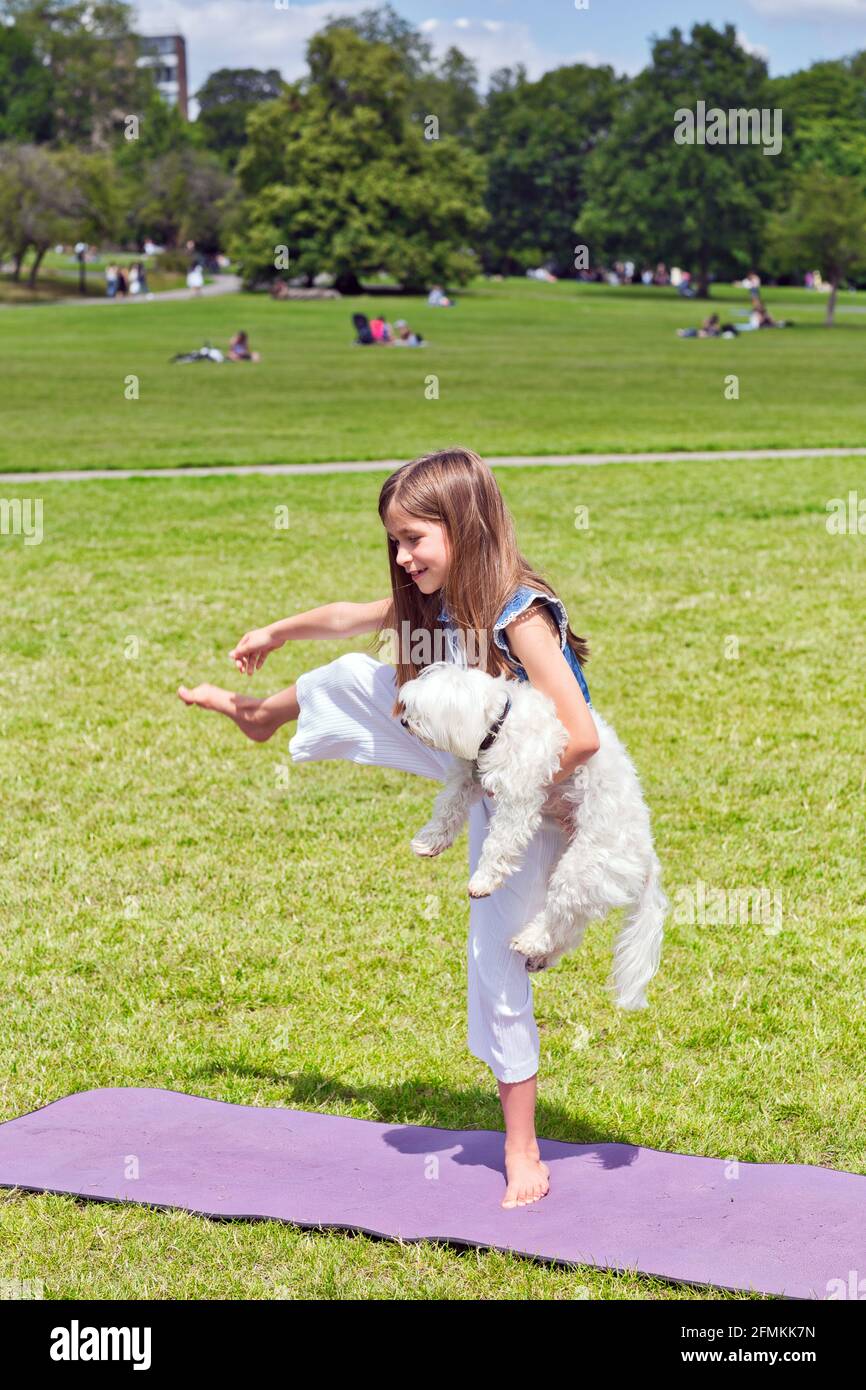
522 368
181 912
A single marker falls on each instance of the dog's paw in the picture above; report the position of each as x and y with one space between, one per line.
428 848
481 886
535 957
532 943
534 964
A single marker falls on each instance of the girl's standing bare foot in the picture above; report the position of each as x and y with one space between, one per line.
258 719
527 1178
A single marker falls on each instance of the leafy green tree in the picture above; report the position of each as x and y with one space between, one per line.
537 138
49 196
447 90
161 130
162 133
25 90
383 24
700 205
829 90
96 203
823 228
225 100
450 93
336 171
825 118
35 197
90 51
840 146
184 195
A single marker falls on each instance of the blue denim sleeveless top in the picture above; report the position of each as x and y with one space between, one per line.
516 605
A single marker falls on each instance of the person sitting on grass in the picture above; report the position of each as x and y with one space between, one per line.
761 316
405 336
438 299
710 328
239 350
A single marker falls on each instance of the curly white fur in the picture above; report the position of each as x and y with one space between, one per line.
609 860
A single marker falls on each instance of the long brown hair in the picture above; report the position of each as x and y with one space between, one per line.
457 489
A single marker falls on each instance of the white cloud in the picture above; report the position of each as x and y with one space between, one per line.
493 44
757 50
254 33
218 36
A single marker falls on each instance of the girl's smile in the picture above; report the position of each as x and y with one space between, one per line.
421 549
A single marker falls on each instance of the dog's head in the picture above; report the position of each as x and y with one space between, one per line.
451 707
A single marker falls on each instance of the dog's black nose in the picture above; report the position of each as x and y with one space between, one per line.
403 722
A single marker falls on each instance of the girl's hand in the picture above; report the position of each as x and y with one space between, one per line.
250 652
560 809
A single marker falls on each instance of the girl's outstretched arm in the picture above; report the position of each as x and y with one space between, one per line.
330 620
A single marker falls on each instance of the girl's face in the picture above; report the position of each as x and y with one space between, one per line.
422 549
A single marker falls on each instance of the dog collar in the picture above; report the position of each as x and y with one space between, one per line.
494 728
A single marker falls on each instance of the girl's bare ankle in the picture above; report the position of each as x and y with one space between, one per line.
527 1147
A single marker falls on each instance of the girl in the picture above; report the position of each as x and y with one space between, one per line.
457 576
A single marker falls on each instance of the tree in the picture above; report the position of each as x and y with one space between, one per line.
161 132
537 138
336 171
450 93
184 195
414 53
447 90
35 194
824 227
90 51
25 90
96 198
825 118
49 196
225 101
702 205
831 90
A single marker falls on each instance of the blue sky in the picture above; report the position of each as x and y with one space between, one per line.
543 34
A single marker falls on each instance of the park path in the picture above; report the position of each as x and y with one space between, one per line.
380 465
221 284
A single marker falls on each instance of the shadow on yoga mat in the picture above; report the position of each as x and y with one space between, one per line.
772 1228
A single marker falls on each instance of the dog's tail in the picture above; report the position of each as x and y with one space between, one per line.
639 943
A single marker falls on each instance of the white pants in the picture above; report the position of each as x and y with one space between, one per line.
345 712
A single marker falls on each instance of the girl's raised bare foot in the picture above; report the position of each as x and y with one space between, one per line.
527 1177
252 719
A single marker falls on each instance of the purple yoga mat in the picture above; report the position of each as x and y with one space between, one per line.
774 1228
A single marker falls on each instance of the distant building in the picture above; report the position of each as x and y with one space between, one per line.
166 54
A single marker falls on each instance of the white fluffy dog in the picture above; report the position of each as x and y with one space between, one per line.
506 739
